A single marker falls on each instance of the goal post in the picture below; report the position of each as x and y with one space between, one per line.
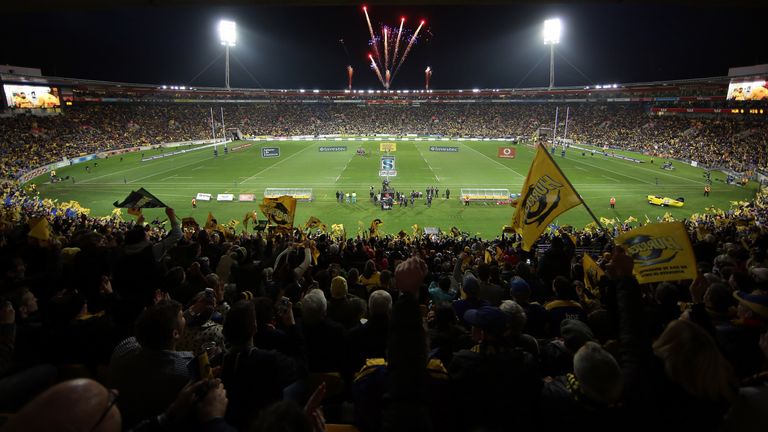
301 194
484 194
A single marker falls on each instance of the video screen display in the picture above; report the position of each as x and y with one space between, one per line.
26 96
749 89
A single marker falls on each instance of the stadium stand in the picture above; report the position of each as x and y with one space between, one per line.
454 340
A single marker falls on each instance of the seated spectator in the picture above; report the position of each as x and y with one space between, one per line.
565 305
590 394
325 339
494 381
471 288
441 292
201 329
342 306
369 340
535 314
146 369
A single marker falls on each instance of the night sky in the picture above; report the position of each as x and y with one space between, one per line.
472 46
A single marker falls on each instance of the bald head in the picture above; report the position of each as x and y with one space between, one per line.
72 406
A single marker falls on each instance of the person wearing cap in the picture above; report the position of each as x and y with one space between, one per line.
738 339
494 380
536 315
342 306
471 288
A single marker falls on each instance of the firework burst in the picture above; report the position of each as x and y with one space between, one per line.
393 59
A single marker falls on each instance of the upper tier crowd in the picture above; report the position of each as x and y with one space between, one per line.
27 141
387 334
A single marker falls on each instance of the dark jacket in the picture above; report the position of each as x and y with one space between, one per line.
495 383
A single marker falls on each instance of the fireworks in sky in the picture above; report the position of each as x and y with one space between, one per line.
389 40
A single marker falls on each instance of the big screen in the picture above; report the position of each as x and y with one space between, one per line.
26 96
749 89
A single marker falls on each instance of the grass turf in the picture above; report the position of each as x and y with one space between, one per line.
177 179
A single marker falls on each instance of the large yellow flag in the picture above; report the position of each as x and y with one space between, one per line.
662 252
280 211
592 275
546 194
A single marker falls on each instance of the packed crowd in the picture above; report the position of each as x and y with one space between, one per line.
395 334
31 141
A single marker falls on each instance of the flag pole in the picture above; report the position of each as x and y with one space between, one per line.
589 210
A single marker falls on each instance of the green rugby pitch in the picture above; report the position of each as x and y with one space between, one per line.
177 179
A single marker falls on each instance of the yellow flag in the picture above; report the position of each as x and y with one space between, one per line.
416 230
337 231
374 230
314 223
211 223
248 217
662 252
487 258
546 194
280 211
39 229
592 275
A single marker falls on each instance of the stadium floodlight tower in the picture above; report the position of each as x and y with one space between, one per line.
228 38
553 28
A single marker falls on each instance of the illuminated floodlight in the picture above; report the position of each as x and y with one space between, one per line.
228 33
301 90
315 91
475 90
553 28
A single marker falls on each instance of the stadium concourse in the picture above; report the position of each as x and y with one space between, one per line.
447 333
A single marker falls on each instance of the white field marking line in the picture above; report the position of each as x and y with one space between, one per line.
610 178
127 169
494 161
344 169
638 166
171 169
611 171
276 163
580 168
428 165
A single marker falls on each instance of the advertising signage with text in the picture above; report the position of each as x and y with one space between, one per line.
269 152
445 149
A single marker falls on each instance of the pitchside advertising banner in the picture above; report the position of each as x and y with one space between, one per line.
269 152
445 149
332 148
507 152
748 89
25 96
204 196
225 197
